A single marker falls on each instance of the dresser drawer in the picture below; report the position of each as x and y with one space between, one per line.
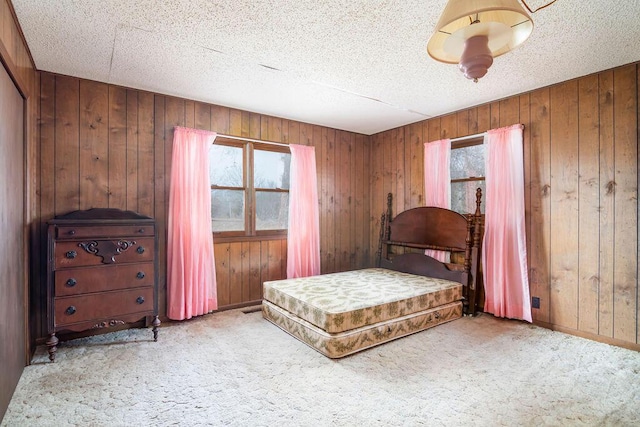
103 278
107 305
97 252
79 232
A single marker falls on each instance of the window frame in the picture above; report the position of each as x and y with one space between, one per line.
250 231
464 144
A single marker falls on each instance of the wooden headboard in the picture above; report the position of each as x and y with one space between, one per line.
436 228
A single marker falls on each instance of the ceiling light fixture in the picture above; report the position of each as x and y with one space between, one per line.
471 33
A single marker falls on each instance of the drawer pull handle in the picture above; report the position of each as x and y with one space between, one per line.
140 300
71 254
140 275
71 282
72 232
140 249
141 230
70 310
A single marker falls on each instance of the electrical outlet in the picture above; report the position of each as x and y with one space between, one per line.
535 302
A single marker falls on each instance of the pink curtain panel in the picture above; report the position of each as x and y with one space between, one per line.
437 182
504 251
303 242
191 274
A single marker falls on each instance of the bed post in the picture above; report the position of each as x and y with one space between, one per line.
467 303
385 229
380 239
476 252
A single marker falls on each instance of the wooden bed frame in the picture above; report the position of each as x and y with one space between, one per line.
434 228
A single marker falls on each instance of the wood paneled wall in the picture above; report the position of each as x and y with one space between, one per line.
108 146
581 178
14 288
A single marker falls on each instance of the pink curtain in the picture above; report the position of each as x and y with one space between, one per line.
303 245
437 182
191 273
504 251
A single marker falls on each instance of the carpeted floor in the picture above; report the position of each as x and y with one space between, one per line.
238 369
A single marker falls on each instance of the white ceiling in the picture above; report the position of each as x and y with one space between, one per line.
356 65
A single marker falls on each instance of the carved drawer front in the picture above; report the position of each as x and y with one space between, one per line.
97 279
79 232
108 305
108 251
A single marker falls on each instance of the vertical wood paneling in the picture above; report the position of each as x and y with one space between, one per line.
638 207
607 204
189 114
589 204
377 192
344 192
361 202
399 166
484 118
626 199
236 260
564 205
463 122
255 285
416 164
67 146
146 154
274 259
509 111
448 127
202 116
117 164
473 121
254 126
235 123
220 117
132 151
221 254
159 197
329 214
539 238
94 152
494 115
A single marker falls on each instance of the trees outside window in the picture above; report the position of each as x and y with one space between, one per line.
249 188
467 174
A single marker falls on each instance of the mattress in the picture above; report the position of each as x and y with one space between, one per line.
340 302
346 343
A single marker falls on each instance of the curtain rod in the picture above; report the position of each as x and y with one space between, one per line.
464 138
478 135
239 138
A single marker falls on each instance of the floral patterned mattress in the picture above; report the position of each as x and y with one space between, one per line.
344 301
349 342
342 313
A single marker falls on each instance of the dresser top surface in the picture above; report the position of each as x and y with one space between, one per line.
100 216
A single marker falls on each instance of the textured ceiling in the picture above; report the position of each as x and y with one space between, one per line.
348 64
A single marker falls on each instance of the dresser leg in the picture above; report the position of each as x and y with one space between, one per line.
52 343
155 324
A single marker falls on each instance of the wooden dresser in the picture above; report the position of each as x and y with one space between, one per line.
102 272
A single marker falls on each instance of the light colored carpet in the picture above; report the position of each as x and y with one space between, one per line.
238 369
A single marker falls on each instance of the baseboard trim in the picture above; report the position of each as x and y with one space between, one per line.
589 335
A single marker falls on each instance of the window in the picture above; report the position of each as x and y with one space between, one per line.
249 188
467 174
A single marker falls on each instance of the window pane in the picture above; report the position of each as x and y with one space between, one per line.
467 162
272 210
463 196
271 169
227 210
225 166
